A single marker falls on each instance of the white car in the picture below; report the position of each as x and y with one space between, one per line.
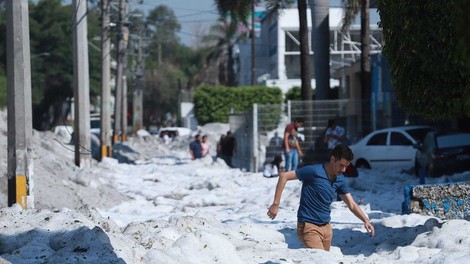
389 147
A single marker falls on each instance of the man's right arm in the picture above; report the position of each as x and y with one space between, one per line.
281 183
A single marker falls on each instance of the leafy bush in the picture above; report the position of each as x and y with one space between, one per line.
215 103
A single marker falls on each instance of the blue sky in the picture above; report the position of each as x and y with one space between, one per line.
191 14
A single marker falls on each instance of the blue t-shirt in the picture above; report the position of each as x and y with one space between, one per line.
318 192
196 148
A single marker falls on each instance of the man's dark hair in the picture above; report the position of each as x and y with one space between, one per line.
342 152
299 120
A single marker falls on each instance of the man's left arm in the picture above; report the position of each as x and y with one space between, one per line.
357 211
299 149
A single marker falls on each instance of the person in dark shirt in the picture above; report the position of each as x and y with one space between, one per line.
228 146
195 148
320 185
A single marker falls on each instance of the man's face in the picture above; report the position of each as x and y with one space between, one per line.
339 165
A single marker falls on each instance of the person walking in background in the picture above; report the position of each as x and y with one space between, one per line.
276 140
204 146
273 168
321 183
219 146
227 148
195 148
334 134
291 145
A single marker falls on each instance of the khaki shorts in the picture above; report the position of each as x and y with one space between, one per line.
315 236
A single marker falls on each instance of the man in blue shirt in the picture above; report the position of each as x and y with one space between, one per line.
195 148
320 185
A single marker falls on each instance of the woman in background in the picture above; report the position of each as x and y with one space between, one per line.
272 169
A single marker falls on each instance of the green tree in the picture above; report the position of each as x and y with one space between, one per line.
161 91
51 60
163 26
223 35
170 65
429 76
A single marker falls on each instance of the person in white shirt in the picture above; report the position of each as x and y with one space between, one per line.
334 135
272 169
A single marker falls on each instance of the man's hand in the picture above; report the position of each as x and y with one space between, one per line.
370 228
273 210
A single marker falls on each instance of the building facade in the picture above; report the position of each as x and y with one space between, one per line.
277 58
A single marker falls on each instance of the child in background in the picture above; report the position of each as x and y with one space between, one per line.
272 169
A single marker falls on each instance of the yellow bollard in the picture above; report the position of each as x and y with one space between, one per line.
21 193
104 151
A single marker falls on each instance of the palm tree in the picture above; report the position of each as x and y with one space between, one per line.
321 46
238 12
224 35
305 68
352 7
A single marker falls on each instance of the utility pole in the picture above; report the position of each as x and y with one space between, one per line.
125 71
366 91
253 49
105 126
137 98
122 45
81 84
20 169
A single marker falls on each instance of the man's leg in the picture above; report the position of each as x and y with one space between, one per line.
327 236
310 235
295 159
288 160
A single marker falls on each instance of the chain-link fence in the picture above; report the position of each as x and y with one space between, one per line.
315 115
260 132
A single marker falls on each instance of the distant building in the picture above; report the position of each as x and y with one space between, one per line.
278 49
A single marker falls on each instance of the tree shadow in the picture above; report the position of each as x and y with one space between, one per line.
81 245
352 242
290 235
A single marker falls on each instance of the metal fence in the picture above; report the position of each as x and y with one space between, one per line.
315 115
259 133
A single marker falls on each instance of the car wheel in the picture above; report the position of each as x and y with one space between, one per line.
362 164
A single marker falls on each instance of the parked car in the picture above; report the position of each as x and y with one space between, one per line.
173 132
443 153
389 147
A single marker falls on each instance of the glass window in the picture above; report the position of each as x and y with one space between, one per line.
292 41
378 140
449 141
398 139
292 63
419 133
